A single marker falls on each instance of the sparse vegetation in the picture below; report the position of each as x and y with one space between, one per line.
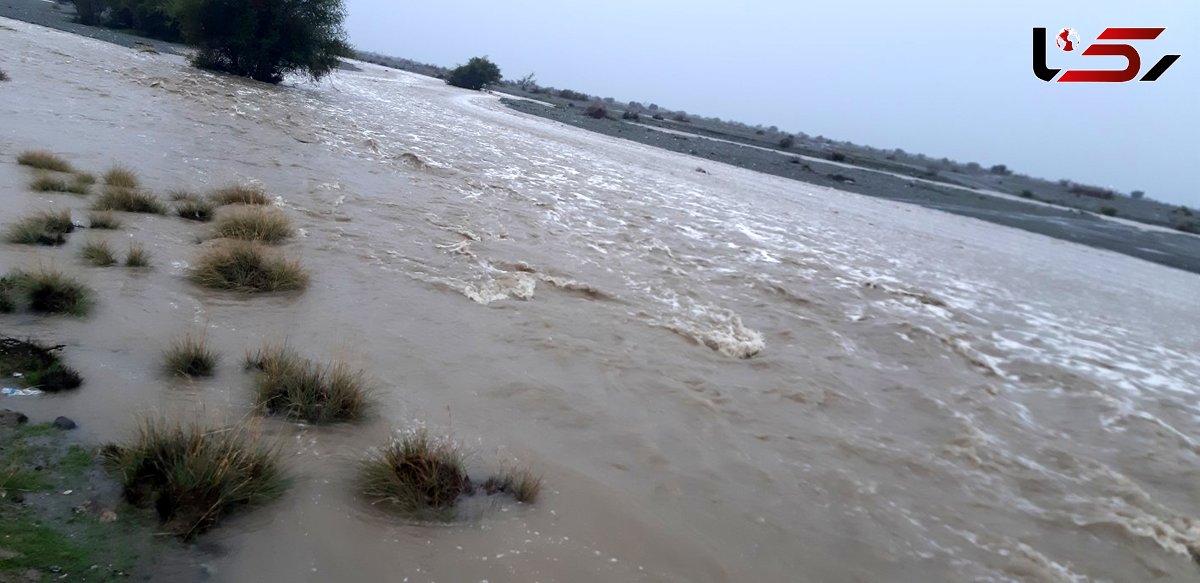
190 356
239 194
8 304
297 388
521 483
98 254
195 475
52 292
787 142
195 209
264 40
246 267
52 183
43 160
597 110
837 157
573 95
255 224
1108 211
3 75
44 228
478 73
115 198
103 220
39 366
137 256
1026 193
630 115
121 177
415 474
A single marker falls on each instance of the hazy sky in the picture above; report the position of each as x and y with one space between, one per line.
946 78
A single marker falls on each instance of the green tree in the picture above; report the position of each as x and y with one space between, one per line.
264 39
478 73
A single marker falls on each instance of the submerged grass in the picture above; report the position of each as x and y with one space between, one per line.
239 194
121 177
194 209
51 292
195 475
43 228
98 254
247 267
103 220
255 224
190 356
292 386
415 474
117 198
43 160
137 256
40 366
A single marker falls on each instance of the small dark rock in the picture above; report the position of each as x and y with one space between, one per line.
64 424
12 418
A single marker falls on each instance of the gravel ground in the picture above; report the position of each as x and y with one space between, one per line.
1178 250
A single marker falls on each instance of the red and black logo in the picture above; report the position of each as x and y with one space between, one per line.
1067 41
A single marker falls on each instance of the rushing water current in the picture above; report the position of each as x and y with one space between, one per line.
723 376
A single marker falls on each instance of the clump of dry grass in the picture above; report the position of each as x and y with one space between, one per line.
98 254
415 474
86 178
52 292
121 177
190 356
103 220
194 209
43 160
137 256
194 475
53 183
44 228
255 224
247 267
115 198
300 389
239 194
521 483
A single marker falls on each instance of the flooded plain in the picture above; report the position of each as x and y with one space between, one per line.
722 376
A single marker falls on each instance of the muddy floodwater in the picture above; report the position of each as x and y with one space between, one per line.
723 376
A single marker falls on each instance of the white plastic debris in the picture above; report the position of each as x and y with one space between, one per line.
13 392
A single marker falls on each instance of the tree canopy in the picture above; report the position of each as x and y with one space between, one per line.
478 73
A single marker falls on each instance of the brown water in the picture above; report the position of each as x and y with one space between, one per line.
926 397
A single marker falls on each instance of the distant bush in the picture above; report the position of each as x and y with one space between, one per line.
1026 194
89 12
1108 211
597 110
3 75
787 142
573 95
760 133
1000 169
1137 195
681 118
630 115
657 116
478 73
264 40
152 18
837 157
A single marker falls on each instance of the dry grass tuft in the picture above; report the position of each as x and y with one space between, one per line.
44 228
52 292
239 194
137 256
415 474
103 220
116 198
521 483
247 267
121 177
190 357
52 183
195 475
43 160
300 389
194 209
255 224
98 254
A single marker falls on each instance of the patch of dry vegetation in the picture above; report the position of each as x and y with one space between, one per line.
103 220
43 228
43 160
137 256
292 386
255 224
122 177
190 356
247 267
51 292
115 198
239 194
98 254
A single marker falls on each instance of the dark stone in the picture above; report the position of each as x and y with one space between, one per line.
12 418
65 424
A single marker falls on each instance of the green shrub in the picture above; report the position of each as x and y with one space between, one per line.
264 40
300 389
195 475
478 73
